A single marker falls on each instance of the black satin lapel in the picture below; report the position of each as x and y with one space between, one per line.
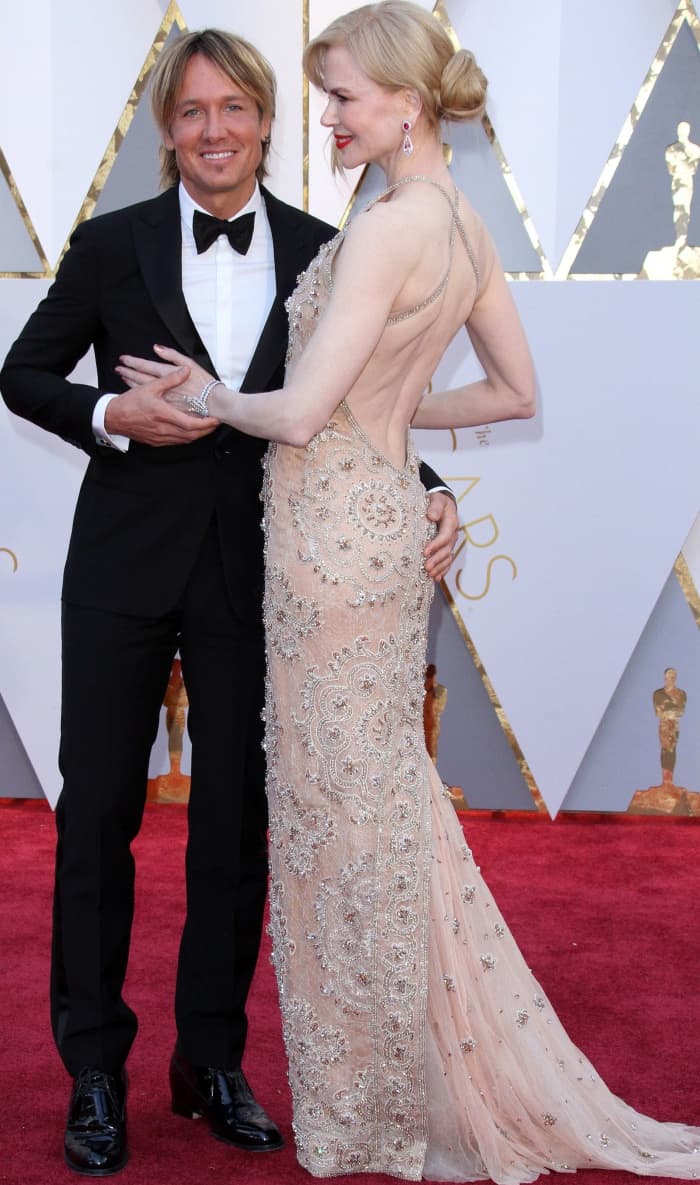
158 244
292 247
270 350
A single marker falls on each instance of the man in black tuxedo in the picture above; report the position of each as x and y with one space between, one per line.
166 553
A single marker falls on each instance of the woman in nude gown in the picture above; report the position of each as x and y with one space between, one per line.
419 1043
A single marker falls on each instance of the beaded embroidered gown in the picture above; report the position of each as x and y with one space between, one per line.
419 1043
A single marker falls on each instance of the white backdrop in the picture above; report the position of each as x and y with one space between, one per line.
573 521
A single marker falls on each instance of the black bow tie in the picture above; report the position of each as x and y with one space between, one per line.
206 230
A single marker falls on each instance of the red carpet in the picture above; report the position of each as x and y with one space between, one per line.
605 910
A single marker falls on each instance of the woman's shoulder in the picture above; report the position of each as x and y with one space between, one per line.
409 210
384 231
423 206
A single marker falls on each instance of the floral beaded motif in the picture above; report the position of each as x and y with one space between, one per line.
349 814
304 305
360 537
291 619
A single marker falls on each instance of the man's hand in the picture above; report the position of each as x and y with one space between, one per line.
442 509
142 414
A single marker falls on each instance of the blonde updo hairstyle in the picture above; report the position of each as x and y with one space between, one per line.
398 44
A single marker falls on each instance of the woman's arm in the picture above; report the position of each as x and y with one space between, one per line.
507 391
369 273
371 269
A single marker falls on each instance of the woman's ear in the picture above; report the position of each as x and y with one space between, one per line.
414 103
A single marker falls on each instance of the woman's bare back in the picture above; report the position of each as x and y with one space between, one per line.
437 240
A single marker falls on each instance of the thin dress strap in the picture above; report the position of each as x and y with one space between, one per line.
457 224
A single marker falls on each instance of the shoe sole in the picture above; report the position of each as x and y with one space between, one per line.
247 1147
186 1112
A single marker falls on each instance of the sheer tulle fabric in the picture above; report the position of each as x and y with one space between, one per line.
524 1099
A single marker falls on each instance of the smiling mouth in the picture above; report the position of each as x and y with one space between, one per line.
342 141
218 155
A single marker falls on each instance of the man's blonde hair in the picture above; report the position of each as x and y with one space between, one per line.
236 58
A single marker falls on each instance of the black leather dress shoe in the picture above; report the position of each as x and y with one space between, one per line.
225 1100
95 1141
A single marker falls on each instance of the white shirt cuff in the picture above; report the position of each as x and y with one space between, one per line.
102 436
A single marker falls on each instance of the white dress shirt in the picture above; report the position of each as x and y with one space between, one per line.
229 296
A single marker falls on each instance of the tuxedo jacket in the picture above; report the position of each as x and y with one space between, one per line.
141 515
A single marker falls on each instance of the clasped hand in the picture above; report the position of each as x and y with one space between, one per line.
138 372
152 411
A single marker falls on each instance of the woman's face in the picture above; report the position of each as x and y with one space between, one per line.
365 118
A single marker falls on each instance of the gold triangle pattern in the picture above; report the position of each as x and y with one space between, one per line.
496 705
545 273
440 13
690 592
173 16
24 214
684 14
468 484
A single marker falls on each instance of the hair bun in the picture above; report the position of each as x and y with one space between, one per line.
462 88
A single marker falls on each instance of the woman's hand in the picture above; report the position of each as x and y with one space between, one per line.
143 413
139 371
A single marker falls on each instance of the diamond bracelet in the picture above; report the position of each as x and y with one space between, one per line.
197 404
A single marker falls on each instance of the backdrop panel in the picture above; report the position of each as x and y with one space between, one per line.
567 599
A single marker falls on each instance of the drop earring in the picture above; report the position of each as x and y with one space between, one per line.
407 141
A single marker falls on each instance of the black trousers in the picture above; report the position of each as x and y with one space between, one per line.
115 671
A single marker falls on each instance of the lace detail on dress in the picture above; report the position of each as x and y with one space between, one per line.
350 520
312 289
294 618
346 609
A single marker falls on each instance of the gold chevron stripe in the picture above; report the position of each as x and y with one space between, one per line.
24 214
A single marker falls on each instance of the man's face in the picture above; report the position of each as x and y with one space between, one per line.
216 133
